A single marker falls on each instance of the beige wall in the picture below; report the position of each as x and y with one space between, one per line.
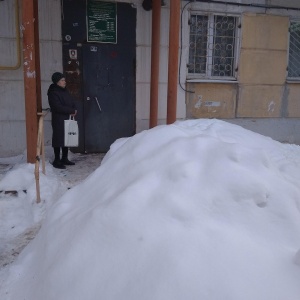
293 100
262 65
260 101
261 90
211 100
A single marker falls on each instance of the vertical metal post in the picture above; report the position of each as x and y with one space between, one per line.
173 60
31 69
156 15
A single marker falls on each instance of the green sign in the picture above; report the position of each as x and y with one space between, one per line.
101 22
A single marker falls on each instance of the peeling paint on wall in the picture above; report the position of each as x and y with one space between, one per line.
212 103
30 74
208 103
271 106
198 103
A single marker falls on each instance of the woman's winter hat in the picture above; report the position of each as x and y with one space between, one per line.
57 76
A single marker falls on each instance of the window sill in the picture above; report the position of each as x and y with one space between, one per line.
292 81
210 81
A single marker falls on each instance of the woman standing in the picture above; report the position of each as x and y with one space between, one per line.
62 106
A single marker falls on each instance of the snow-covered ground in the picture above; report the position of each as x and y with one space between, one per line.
200 209
20 216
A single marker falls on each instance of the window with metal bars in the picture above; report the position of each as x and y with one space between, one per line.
213 46
294 51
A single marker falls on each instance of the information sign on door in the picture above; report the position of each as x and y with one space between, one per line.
101 22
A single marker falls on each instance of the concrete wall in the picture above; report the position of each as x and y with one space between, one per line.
12 109
12 106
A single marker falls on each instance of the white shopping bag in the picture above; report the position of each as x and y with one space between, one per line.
71 133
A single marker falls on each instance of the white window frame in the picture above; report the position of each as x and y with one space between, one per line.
209 57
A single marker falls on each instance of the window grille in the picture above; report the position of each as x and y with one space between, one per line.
294 51
213 46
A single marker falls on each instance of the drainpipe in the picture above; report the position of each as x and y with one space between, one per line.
32 77
156 12
173 60
17 25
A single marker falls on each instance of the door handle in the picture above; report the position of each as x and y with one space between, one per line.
98 104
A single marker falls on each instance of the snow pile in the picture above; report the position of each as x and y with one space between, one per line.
195 210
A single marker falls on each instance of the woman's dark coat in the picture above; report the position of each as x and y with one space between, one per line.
62 105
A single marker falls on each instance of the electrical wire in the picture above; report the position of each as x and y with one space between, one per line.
180 56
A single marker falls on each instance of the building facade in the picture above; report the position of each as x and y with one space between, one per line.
238 61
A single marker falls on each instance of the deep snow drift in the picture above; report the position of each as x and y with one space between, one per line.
199 209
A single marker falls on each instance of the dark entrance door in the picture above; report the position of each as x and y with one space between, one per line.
109 85
109 95
108 81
